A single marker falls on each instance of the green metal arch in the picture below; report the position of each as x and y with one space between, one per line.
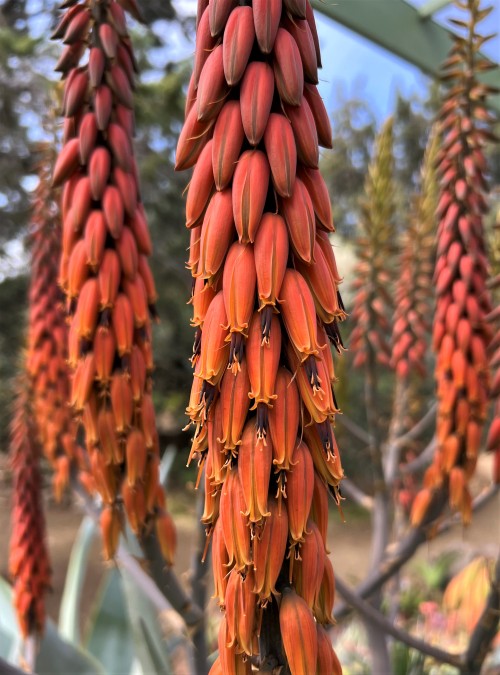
402 29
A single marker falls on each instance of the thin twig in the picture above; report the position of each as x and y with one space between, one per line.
419 428
403 552
421 462
354 428
377 618
349 489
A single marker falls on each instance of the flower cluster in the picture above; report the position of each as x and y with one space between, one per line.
461 335
265 307
46 361
28 558
414 292
373 303
104 268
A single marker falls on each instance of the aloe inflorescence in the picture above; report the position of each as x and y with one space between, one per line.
266 307
105 274
461 335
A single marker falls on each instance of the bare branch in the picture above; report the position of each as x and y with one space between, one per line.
354 428
479 502
8 669
419 428
374 616
421 462
349 489
403 552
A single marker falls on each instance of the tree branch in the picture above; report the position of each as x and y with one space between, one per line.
354 428
357 495
403 552
419 427
199 586
486 628
479 502
7 668
421 462
377 618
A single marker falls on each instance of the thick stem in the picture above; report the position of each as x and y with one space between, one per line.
199 588
399 411
377 637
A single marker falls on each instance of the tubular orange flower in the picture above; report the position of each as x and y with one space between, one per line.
461 334
260 242
105 273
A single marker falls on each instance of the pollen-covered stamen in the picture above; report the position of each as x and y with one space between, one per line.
236 352
333 332
207 396
311 367
196 346
326 435
261 424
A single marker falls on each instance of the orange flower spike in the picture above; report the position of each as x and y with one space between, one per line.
214 347
458 487
200 187
234 522
281 153
241 611
111 525
83 380
231 662
216 234
88 309
271 256
137 374
420 505
327 659
95 238
326 460
216 450
122 319
299 315
323 606
256 97
78 270
319 506
298 632
227 141
148 423
212 87
320 198
254 470
249 192
284 418
109 278
299 488
192 139
288 71
263 361
136 293
104 352
108 440
134 504
121 401
238 286
167 536
298 213
128 254
237 44
136 455
234 404
220 562
269 549
308 570
322 286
